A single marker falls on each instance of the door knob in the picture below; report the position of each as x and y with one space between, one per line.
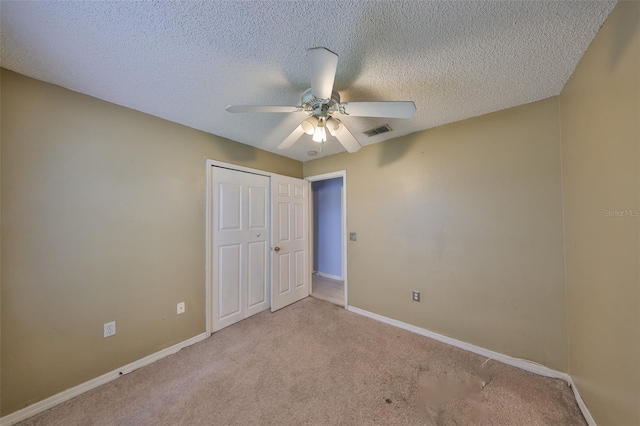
276 249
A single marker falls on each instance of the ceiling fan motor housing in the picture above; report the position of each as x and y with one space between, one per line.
311 103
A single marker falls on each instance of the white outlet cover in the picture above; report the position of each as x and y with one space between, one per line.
181 308
110 329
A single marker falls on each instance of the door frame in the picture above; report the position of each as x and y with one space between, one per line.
326 176
209 233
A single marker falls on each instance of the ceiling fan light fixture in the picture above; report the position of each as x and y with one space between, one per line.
334 125
309 125
320 135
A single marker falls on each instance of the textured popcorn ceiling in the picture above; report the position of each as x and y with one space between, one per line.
186 61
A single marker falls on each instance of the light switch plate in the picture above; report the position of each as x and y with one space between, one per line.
353 236
181 308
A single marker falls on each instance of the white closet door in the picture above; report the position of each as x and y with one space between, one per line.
290 228
240 246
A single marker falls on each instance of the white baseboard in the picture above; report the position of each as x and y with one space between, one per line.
583 407
331 277
52 401
505 359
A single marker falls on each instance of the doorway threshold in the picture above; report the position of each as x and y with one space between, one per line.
327 289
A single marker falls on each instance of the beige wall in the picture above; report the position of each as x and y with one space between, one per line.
103 218
600 116
469 214
0 236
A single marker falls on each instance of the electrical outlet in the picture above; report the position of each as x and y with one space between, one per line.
110 329
181 308
416 296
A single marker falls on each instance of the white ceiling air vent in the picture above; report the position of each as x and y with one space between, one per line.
378 130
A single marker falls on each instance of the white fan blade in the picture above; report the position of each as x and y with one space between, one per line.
344 136
292 138
403 109
263 108
322 67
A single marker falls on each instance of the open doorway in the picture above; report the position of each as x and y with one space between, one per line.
328 218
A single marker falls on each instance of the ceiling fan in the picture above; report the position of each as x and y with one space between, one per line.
321 102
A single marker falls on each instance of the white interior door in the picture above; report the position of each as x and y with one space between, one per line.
240 246
290 243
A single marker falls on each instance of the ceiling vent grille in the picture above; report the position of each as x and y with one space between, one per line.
378 130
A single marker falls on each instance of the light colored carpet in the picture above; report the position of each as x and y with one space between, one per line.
327 289
314 363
